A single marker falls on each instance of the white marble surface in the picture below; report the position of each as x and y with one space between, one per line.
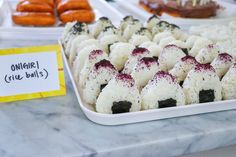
56 127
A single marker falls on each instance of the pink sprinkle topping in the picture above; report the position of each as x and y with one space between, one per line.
166 75
139 50
225 57
104 64
93 54
125 78
171 46
189 59
202 67
148 61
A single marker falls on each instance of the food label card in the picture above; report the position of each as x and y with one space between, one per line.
31 72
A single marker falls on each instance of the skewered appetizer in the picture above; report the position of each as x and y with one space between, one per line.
116 72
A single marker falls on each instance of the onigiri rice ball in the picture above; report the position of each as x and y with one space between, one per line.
108 40
191 40
109 30
182 67
138 39
131 28
124 23
198 45
161 92
99 76
202 85
152 21
80 47
145 32
166 41
222 63
101 23
119 54
94 57
144 71
153 48
119 96
136 54
207 54
158 37
169 56
229 84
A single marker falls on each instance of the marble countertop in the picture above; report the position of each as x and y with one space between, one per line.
56 127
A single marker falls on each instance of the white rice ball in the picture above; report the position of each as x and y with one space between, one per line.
222 63
94 57
229 84
198 45
109 30
152 21
182 67
119 54
119 96
144 71
80 47
81 58
131 28
202 85
124 23
169 56
99 76
191 40
145 32
207 54
153 48
166 41
100 25
158 37
108 40
162 91
136 54
138 39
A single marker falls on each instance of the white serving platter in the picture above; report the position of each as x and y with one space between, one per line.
147 115
10 30
222 17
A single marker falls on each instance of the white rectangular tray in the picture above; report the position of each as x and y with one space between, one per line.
9 30
147 115
228 14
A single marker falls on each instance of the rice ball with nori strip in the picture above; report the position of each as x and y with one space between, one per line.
145 32
94 57
101 23
169 56
131 28
207 54
109 40
153 48
198 45
81 58
124 23
158 37
136 54
65 32
182 67
229 84
99 76
152 21
222 63
144 71
138 39
202 85
161 92
161 27
80 47
109 30
119 54
119 96
166 41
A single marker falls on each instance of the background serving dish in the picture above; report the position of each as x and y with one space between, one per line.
223 16
9 30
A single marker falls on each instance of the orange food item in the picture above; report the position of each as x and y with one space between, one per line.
57 2
66 5
33 18
78 15
49 2
26 6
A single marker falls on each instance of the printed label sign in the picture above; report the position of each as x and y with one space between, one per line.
32 72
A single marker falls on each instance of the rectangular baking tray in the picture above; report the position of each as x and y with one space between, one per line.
9 30
222 17
147 115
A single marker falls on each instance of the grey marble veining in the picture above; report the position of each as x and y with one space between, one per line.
56 127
